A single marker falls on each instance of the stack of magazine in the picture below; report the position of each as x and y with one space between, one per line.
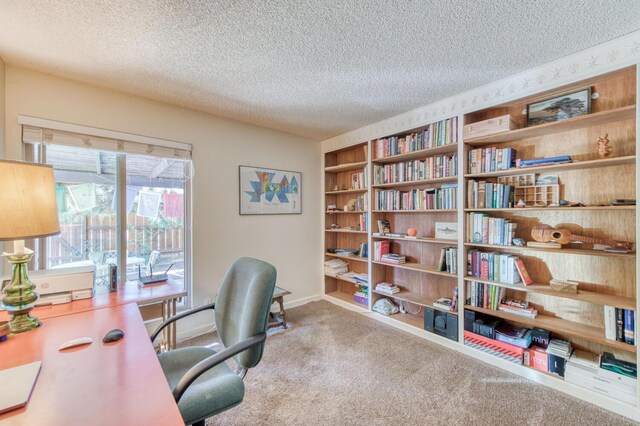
387 288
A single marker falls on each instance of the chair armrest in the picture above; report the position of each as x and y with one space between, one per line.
181 315
208 363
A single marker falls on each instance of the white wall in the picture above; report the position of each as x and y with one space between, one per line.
2 131
2 107
290 242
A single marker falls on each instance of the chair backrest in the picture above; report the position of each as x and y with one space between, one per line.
243 305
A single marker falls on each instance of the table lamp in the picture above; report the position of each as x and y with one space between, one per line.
27 210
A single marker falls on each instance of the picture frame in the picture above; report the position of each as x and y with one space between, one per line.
560 107
269 191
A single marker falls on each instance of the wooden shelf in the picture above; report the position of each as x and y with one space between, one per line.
582 252
345 231
417 182
423 153
417 240
418 267
410 319
537 209
417 211
346 191
576 165
343 212
345 167
354 258
414 298
345 298
595 119
582 296
560 326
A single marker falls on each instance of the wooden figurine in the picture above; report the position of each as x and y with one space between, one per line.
603 146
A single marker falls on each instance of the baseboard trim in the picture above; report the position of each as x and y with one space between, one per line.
199 330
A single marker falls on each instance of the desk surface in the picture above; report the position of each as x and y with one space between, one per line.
99 384
130 292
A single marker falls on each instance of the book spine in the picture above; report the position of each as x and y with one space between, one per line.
522 271
620 325
628 327
610 322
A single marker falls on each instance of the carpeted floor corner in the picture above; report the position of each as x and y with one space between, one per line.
338 367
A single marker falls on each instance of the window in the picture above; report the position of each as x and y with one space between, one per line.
116 207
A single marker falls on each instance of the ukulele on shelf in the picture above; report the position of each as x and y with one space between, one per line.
546 233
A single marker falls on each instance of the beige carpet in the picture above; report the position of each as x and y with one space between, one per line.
338 367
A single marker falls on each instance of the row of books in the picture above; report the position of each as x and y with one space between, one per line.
418 199
619 324
360 180
483 229
380 248
443 132
363 219
431 168
448 260
361 295
362 202
501 267
491 159
489 195
492 297
387 288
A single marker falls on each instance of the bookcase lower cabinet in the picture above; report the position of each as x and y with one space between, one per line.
545 266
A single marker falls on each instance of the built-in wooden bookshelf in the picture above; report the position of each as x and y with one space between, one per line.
346 178
588 184
404 168
590 181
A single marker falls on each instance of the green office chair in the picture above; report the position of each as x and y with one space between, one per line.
202 384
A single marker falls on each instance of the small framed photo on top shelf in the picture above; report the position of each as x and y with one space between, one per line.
568 105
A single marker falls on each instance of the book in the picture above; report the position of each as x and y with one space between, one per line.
609 362
629 330
443 303
522 271
543 161
610 322
383 227
620 325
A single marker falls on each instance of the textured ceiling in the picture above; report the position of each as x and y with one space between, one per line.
313 68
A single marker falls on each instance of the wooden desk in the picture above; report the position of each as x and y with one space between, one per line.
166 293
119 383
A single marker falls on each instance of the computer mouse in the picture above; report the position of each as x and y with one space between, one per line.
113 336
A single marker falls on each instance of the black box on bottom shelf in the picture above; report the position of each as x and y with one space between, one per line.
441 323
556 364
540 337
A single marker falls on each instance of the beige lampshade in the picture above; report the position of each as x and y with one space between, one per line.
27 201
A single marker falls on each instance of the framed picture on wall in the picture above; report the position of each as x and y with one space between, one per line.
270 191
559 108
